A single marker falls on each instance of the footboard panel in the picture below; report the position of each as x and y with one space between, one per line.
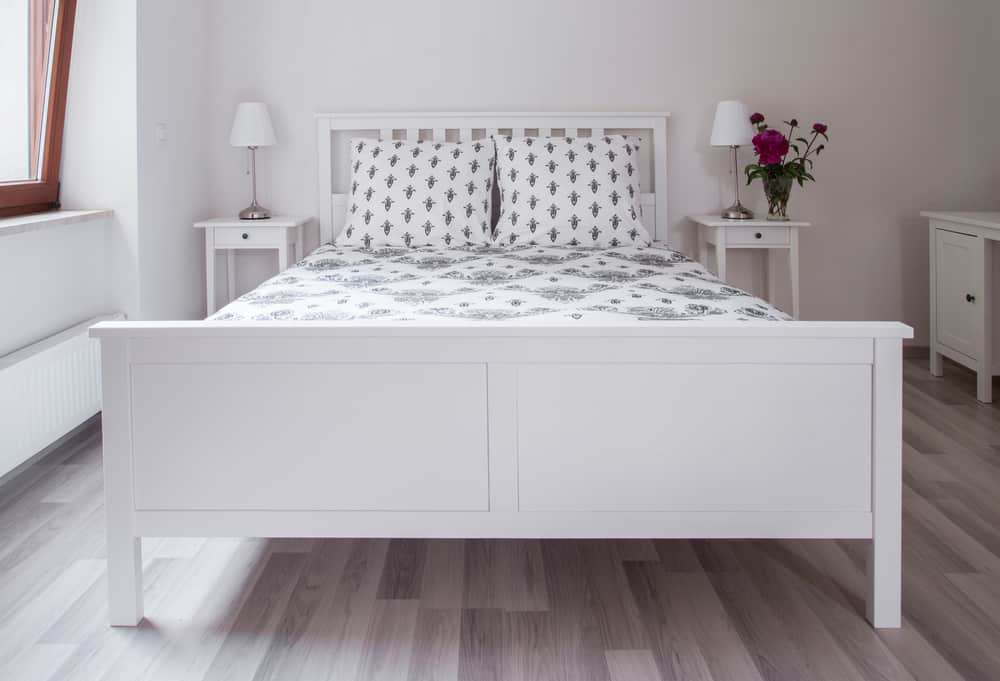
323 437
665 437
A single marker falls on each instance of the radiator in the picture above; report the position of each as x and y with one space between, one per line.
46 390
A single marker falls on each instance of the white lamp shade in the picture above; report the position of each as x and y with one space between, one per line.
252 126
732 125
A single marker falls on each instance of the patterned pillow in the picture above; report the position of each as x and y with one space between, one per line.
419 193
576 191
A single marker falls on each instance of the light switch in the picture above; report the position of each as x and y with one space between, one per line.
160 132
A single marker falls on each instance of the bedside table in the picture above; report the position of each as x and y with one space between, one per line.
774 236
282 234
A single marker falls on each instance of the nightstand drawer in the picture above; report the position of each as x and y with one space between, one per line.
250 237
759 236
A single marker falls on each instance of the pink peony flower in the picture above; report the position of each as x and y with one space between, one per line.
820 127
771 147
756 118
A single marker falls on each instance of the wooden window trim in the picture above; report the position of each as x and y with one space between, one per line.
33 196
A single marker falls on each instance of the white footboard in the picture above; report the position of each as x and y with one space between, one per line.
668 430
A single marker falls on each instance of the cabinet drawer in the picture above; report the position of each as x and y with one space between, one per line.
251 237
761 236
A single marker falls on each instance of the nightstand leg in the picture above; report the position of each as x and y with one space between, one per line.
209 273
231 273
770 271
282 258
793 268
720 254
702 247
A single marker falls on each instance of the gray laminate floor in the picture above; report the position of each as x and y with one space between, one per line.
568 610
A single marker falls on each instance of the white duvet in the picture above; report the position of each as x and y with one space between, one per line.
544 283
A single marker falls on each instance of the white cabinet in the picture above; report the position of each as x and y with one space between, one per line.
961 286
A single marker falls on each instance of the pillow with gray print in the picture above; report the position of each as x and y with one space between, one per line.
571 191
419 193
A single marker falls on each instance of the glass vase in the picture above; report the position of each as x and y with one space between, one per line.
777 188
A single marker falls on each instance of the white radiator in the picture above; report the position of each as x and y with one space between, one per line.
46 390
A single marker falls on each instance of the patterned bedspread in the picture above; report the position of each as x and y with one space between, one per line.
549 284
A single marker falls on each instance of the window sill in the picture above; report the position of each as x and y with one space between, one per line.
56 218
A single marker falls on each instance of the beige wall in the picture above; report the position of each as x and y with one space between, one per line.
907 86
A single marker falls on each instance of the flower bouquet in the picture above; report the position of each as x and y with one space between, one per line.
772 167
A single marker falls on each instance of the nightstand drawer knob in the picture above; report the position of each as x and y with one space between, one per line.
969 298
758 235
245 235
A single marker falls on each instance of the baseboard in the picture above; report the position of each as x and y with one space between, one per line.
916 352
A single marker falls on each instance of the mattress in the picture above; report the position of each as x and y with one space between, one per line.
474 284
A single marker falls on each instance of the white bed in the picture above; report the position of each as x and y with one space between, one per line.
610 426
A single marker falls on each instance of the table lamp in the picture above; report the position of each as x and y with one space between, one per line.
252 129
732 129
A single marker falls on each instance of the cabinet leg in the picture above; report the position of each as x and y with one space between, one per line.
984 322
937 363
984 384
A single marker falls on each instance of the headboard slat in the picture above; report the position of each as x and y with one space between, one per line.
333 154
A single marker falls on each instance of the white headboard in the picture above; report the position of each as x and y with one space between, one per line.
333 132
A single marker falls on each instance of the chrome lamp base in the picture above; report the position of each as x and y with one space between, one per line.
255 212
737 211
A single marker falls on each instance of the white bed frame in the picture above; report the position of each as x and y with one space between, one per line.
659 429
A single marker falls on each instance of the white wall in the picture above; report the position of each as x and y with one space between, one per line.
173 172
99 164
136 65
902 83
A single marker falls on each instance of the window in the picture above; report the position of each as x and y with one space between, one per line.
36 38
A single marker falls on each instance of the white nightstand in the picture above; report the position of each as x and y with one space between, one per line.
771 235
283 234
961 295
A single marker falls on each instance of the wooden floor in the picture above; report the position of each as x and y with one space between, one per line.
568 610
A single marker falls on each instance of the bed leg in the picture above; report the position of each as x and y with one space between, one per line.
884 599
124 548
124 581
